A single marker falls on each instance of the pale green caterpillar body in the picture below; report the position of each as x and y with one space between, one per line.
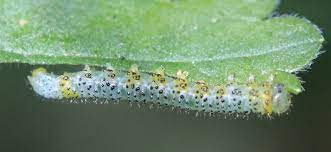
156 87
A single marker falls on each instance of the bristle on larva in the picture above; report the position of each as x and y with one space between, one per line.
156 87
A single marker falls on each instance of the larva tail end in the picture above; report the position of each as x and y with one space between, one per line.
45 84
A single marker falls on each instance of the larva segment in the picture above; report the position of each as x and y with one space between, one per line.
266 96
202 96
156 87
181 82
133 76
66 87
220 97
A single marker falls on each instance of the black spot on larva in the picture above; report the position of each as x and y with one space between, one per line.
128 93
234 99
218 103
210 105
217 97
161 91
88 75
151 88
102 85
84 83
182 96
205 99
165 97
143 94
65 78
138 88
222 100
156 87
112 87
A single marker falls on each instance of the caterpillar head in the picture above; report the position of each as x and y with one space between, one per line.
280 99
45 84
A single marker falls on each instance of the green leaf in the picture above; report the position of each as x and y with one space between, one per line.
211 39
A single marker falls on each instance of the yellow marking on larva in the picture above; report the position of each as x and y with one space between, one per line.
181 82
37 71
133 76
159 77
66 87
111 73
202 88
221 91
267 97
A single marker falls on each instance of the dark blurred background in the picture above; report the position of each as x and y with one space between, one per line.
27 124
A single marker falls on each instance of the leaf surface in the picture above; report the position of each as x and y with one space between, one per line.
210 39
